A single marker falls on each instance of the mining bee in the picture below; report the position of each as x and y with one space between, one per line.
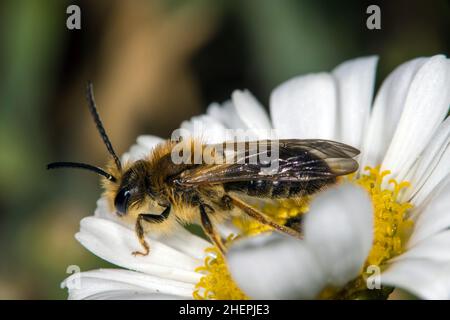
156 194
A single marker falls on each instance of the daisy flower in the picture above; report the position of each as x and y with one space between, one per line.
385 226
394 232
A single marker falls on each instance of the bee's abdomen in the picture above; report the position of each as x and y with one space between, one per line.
278 189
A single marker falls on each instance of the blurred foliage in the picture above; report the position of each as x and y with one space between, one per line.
154 63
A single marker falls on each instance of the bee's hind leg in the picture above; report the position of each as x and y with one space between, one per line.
261 218
209 229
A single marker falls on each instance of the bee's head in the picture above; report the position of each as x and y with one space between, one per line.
133 188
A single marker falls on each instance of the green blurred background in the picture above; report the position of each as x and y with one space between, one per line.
153 63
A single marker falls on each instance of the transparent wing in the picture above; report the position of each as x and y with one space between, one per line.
277 160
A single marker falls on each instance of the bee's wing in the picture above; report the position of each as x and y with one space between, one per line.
321 148
286 160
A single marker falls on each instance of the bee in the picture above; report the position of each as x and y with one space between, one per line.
156 194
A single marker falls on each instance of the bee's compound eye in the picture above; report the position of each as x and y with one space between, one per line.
121 201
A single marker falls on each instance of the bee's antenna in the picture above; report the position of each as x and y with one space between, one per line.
57 165
98 122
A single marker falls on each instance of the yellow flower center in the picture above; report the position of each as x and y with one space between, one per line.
279 211
217 283
391 229
391 226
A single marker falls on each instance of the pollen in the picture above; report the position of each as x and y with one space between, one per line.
391 225
216 284
280 212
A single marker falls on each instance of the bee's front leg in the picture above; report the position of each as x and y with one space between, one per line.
151 218
209 229
141 236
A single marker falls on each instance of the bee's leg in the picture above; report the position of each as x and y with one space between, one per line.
141 236
151 218
210 230
261 218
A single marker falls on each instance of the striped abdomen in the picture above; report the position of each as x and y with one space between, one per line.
277 189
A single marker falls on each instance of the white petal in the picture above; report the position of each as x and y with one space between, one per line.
251 112
355 81
432 166
424 278
426 106
275 267
206 128
433 215
142 149
305 107
437 176
107 282
149 141
187 243
226 114
115 243
138 152
125 157
387 109
103 211
434 248
339 230
130 295
244 113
